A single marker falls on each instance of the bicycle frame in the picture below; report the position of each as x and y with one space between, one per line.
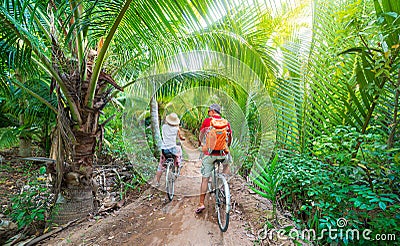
171 174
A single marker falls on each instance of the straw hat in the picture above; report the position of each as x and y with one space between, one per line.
172 119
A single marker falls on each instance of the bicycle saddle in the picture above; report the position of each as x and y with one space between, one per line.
219 160
167 153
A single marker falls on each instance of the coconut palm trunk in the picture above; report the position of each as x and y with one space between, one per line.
24 141
75 185
155 126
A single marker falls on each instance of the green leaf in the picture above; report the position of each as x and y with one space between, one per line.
42 170
357 203
387 199
374 200
364 206
382 205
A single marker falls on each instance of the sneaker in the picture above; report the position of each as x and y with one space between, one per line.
179 169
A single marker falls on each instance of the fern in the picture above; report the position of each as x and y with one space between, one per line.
9 137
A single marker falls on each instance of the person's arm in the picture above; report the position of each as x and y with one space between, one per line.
203 128
205 124
180 136
201 136
229 135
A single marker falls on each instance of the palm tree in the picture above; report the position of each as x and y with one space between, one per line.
346 74
361 89
56 38
337 69
25 118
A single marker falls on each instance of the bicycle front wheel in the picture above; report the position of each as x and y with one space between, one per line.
170 180
223 203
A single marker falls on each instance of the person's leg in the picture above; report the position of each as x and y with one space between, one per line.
178 156
226 164
225 168
203 190
162 159
158 176
206 169
160 169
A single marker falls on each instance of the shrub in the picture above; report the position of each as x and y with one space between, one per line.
33 202
321 194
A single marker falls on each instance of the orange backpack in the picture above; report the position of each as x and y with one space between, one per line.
217 136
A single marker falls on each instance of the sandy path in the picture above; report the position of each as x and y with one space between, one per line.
175 223
154 220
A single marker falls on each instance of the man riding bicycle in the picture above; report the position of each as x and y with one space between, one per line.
210 154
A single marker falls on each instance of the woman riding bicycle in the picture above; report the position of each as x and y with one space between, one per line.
170 132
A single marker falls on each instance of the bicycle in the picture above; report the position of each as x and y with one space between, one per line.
172 172
219 186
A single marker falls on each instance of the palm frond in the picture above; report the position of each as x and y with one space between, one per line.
9 137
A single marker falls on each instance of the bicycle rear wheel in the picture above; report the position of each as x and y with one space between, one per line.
222 203
170 180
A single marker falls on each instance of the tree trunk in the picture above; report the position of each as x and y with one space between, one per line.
24 147
24 141
77 191
155 126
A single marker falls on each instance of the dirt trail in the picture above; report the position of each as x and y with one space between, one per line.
153 220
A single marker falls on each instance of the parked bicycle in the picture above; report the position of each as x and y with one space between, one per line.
220 188
171 174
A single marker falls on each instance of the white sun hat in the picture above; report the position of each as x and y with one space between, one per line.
172 119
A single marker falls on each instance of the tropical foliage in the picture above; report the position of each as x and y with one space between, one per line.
340 118
332 69
26 119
